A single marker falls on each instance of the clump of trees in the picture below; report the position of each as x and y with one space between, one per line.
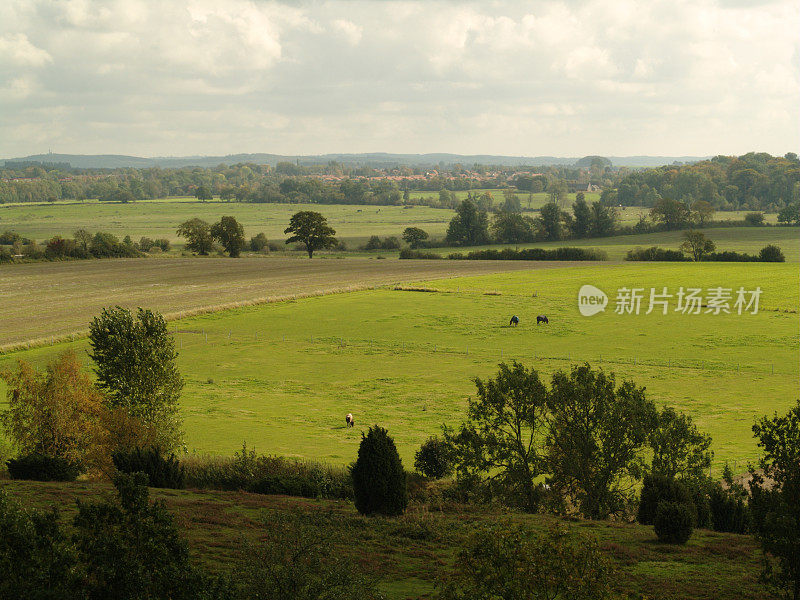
200 236
585 435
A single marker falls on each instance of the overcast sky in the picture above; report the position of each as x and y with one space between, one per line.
565 78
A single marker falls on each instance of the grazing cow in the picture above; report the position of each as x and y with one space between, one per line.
349 420
542 319
514 321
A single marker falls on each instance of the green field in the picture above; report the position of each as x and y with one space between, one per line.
282 376
353 224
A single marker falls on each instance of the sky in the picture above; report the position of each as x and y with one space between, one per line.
556 78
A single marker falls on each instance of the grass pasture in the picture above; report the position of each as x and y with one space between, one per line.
282 376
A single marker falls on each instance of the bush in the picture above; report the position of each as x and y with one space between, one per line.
38 467
161 471
268 475
379 481
259 243
657 489
655 254
565 253
163 243
728 513
145 244
754 219
408 253
771 253
673 522
433 459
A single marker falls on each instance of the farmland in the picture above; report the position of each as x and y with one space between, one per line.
46 301
281 376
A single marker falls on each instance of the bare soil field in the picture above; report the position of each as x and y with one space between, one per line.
42 302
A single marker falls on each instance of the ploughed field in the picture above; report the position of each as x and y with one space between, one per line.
282 376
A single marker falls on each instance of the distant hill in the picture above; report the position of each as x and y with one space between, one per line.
375 159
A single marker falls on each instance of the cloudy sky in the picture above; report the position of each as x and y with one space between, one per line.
564 77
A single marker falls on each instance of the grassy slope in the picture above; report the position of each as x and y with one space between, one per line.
711 566
42 299
406 359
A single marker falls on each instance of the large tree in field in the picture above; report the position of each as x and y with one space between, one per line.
551 221
198 235
470 226
680 450
230 233
501 441
414 236
135 366
582 216
312 229
597 439
775 501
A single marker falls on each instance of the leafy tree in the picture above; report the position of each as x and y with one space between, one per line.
513 563
433 459
670 213
56 412
703 212
657 489
230 234
83 238
198 236
135 366
603 220
203 193
679 448
511 203
379 481
597 439
775 501
512 228
551 221
414 236
582 216
557 190
790 214
470 226
312 229
501 441
697 245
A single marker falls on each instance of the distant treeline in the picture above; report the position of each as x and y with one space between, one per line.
754 181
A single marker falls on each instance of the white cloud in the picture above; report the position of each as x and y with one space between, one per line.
512 76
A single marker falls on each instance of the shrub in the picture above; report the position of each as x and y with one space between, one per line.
673 522
6 256
162 471
145 244
505 562
565 253
163 243
657 489
379 481
268 475
655 254
259 243
373 243
38 467
391 243
754 219
771 253
728 513
433 459
408 253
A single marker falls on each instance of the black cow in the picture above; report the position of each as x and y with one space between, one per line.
542 319
514 321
